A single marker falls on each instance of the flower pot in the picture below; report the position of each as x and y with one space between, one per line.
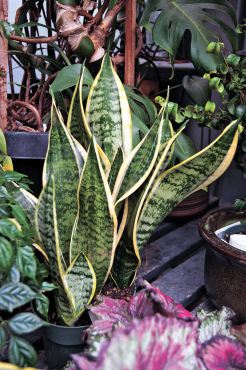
193 205
225 266
28 150
60 342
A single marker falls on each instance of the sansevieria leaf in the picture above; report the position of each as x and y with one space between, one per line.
138 165
108 113
69 308
63 164
127 256
76 122
175 184
96 225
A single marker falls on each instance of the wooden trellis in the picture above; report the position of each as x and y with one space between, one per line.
3 67
130 54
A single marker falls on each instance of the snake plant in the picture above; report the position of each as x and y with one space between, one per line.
102 198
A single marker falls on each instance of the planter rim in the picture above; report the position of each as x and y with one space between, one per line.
215 242
64 335
66 327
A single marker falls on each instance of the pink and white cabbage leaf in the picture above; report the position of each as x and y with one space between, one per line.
152 332
155 343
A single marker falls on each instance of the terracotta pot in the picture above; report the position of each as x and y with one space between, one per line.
193 205
225 266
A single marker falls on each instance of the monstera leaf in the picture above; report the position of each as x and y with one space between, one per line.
207 20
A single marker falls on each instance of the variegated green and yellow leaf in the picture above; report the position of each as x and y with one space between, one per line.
108 113
114 170
80 281
63 163
69 308
175 184
95 229
138 165
27 201
76 122
47 230
127 257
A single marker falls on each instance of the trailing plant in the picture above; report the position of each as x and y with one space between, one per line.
22 276
161 334
102 198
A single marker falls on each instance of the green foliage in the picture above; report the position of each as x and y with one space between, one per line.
240 204
95 215
21 280
207 21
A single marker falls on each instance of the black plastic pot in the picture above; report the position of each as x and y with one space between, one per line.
60 342
28 150
225 266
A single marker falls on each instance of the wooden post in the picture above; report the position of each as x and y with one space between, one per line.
3 67
130 45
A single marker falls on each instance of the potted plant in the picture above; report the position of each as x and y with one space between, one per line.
225 262
23 278
150 323
102 198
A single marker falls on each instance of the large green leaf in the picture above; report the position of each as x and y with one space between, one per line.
141 105
175 184
108 113
68 77
207 20
184 147
62 162
69 309
95 229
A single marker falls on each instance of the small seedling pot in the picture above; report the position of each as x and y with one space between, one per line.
225 266
60 342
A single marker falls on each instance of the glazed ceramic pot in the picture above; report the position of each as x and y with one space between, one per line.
225 266
193 205
60 342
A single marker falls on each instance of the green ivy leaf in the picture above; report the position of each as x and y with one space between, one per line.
21 353
62 82
3 337
6 254
233 60
210 107
14 275
25 323
26 262
216 84
13 295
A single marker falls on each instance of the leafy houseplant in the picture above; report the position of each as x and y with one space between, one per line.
161 334
102 198
22 276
